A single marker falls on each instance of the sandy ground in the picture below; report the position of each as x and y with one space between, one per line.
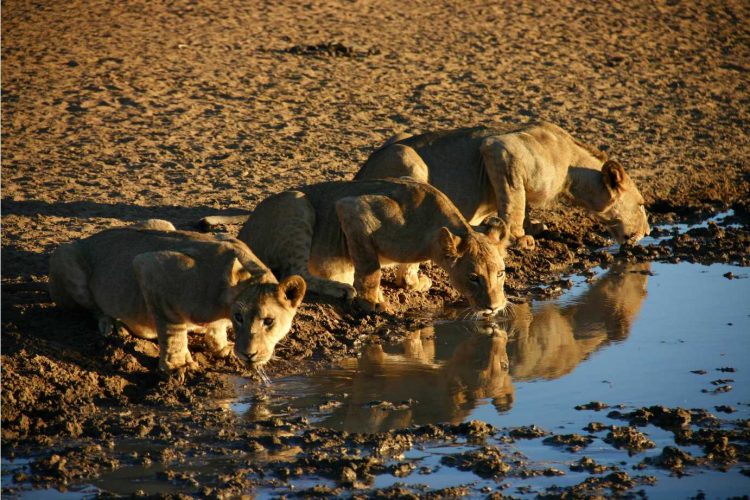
119 111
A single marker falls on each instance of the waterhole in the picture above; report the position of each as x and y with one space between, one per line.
632 338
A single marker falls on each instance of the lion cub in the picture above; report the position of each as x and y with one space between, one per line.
339 234
160 283
485 171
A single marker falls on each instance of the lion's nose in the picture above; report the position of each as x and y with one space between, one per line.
491 311
252 356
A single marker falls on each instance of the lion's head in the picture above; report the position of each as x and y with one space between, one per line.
262 315
476 265
623 212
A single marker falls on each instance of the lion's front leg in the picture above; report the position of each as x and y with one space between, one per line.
174 356
506 173
352 214
367 285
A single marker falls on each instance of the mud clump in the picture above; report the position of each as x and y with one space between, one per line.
596 487
672 458
571 442
528 432
330 49
586 464
630 438
73 464
487 462
593 405
660 416
596 427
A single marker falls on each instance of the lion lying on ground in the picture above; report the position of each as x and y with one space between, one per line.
339 234
484 171
160 283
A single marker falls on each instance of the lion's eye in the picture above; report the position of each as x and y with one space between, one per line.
238 318
474 278
501 274
267 322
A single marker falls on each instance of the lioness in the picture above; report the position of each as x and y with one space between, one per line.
339 234
484 170
160 283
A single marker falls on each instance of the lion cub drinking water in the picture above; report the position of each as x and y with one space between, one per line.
160 283
339 234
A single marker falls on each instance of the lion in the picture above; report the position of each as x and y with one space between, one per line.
338 236
159 283
484 171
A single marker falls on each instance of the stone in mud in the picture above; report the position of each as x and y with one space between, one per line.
528 432
571 442
630 438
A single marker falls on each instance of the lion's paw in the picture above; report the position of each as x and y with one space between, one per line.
175 361
339 290
422 284
526 242
227 350
370 306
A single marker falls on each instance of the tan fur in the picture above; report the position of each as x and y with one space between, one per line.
159 283
484 170
552 340
474 369
338 236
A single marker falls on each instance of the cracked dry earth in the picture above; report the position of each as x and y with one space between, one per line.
117 112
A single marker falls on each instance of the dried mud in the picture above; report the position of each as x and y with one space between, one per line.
119 112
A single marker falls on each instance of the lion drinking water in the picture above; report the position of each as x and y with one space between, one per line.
484 171
160 283
338 235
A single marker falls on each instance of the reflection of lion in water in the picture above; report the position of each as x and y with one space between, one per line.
552 340
451 367
445 385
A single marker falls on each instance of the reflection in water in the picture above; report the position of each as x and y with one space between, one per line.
441 373
550 340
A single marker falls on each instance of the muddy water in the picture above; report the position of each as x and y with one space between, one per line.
634 337
631 336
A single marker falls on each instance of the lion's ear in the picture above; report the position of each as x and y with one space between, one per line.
292 289
613 176
495 229
448 243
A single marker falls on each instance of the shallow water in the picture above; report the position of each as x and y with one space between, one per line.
633 338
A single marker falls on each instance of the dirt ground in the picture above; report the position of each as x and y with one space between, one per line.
114 112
